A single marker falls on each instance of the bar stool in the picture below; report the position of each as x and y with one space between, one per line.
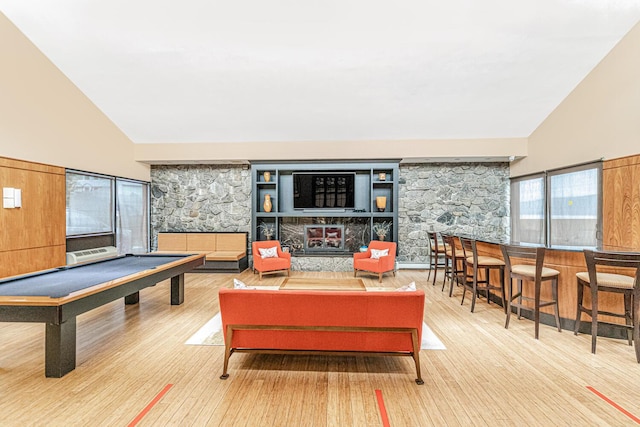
474 262
436 250
599 281
535 273
453 263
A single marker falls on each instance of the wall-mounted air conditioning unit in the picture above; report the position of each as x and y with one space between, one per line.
85 255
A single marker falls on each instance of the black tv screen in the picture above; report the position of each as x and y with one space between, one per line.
318 190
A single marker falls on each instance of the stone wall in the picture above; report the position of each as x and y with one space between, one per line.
465 198
468 198
200 198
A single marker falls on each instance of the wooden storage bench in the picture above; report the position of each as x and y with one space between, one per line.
226 251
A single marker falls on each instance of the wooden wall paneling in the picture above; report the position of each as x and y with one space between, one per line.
621 204
38 227
14 263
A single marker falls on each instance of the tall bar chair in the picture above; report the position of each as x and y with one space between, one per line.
536 273
454 263
436 255
598 281
474 263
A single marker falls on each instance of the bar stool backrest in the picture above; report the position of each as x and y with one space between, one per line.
612 259
469 249
449 242
534 253
433 242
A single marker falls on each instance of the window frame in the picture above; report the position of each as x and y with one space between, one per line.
112 189
530 177
113 234
547 224
147 209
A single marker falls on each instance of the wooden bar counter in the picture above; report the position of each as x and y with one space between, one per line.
568 262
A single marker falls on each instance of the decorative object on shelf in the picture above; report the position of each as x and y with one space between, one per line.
267 176
381 229
267 205
267 229
381 203
382 176
363 248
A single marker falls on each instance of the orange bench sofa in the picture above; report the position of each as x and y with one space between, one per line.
326 322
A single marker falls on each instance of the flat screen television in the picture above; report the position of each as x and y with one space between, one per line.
323 190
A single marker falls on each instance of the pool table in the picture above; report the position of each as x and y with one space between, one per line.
57 296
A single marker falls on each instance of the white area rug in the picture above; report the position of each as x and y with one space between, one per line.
211 334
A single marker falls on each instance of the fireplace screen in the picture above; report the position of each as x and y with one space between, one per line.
324 237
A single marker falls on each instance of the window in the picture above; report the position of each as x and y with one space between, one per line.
89 204
99 205
132 216
558 208
528 217
574 207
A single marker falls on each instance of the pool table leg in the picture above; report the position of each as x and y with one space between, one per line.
177 289
60 348
134 298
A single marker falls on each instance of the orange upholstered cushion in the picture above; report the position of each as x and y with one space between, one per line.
322 308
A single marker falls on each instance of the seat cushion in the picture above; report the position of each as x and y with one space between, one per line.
368 264
530 270
225 256
459 255
609 279
486 261
271 264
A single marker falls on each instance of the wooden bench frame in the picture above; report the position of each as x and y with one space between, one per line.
226 251
415 340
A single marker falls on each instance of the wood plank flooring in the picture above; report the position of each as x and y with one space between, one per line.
487 376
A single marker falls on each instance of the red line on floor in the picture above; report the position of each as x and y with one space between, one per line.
383 410
614 404
151 404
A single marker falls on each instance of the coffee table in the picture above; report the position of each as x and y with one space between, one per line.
317 284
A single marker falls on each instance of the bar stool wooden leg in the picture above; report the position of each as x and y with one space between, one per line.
464 288
536 309
636 322
519 295
594 317
510 292
475 289
504 302
627 316
576 326
554 295
487 277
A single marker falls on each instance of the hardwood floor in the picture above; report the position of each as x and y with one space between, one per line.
487 375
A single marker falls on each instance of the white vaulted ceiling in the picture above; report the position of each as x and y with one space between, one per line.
298 70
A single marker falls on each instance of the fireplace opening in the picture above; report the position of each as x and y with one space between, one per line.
324 237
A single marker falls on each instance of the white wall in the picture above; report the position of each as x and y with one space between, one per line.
44 118
599 119
409 151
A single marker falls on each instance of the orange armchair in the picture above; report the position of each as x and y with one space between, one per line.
362 260
272 264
